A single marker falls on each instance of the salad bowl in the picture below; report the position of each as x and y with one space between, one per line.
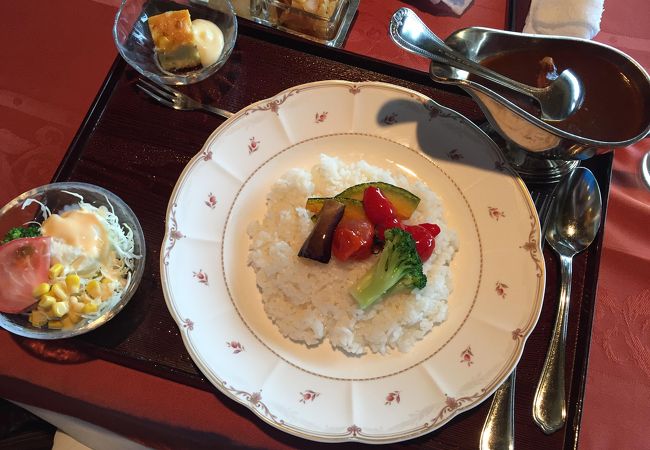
33 207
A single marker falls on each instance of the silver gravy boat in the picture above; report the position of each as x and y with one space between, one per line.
538 150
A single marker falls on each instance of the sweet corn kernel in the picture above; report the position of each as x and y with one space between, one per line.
58 290
55 324
56 270
72 282
93 288
107 291
46 301
60 309
76 305
67 323
89 308
41 289
37 318
74 317
85 298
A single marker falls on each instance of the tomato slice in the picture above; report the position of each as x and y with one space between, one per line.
424 241
380 228
377 207
432 228
352 240
24 263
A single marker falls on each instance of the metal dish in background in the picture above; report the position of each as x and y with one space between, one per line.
55 197
330 31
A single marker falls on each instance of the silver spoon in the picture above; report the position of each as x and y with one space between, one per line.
576 214
561 98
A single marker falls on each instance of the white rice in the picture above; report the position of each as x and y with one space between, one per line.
309 301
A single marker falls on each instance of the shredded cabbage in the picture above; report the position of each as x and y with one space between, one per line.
122 248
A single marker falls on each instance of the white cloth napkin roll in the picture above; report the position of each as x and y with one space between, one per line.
576 18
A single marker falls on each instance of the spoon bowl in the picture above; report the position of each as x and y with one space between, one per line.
577 211
559 100
575 221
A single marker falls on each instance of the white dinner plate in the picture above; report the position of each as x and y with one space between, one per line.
319 393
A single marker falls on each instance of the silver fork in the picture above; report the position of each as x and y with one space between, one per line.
169 96
499 428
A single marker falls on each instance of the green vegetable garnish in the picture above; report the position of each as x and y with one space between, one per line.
22 232
399 268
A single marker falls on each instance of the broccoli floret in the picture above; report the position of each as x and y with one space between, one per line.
21 232
399 267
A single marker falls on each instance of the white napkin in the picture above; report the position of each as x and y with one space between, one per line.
576 18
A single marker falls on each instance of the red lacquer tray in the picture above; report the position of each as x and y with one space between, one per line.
137 149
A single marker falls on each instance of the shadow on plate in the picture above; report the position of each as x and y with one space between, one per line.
443 134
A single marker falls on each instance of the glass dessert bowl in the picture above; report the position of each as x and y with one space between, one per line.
188 41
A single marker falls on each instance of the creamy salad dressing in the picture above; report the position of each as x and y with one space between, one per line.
79 241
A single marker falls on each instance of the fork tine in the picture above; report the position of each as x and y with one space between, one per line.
535 195
147 82
543 204
152 94
170 90
156 88
162 88
177 99
546 209
547 203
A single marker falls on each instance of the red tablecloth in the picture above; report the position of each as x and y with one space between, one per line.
617 398
58 57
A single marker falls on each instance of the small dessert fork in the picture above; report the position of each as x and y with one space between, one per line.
499 430
175 99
